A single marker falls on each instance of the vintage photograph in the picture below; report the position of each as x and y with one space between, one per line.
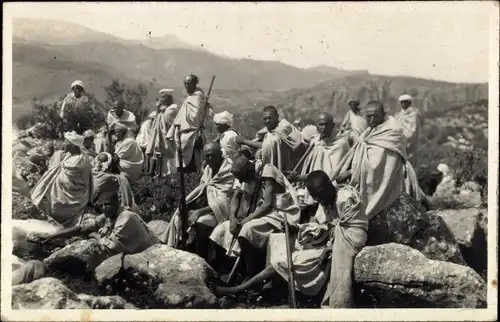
249 156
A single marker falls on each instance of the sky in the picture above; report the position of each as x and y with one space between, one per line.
445 41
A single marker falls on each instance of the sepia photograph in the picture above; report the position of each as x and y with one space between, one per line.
250 160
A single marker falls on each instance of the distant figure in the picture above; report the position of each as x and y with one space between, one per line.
77 113
191 117
88 143
410 119
118 114
127 153
279 141
157 147
227 135
354 123
144 137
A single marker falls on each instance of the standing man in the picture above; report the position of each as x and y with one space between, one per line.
409 117
77 113
354 123
191 117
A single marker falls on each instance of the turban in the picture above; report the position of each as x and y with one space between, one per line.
152 115
166 91
405 97
88 134
308 132
224 118
443 168
74 138
103 161
77 83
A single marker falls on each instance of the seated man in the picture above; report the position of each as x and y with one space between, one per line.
324 153
128 153
64 191
339 228
118 229
118 114
88 143
375 165
208 204
279 141
276 198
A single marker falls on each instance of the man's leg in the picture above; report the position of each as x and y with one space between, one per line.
251 257
267 274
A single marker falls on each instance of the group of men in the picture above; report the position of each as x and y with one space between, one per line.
249 189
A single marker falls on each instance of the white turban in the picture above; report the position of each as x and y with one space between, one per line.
77 83
152 115
74 138
224 118
308 132
443 168
89 134
405 97
167 91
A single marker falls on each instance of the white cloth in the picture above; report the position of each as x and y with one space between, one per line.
228 144
89 134
224 118
74 138
166 91
77 83
405 97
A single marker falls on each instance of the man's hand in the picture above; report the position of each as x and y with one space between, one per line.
325 256
239 139
344 176
234 226
292 176
193 217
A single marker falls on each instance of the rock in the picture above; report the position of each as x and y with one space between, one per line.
16 262
398 276
405 222
46 293
466 226
158 227
469 195
22 230
106 302
78 258
159 277
23 208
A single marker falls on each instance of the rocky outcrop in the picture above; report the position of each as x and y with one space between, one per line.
78 258
23 208
23 230
46 294
468 227
159 277
106 302
398 276
405 222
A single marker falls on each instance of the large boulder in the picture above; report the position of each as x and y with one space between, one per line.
398 276
78 258
23 230
467 225
405 222
45 294
106 302
159 277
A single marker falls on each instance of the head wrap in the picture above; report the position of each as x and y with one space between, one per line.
308 132
443 168
224 118
88 134
103 165
166 91
152 115
74 138
77 83
405 97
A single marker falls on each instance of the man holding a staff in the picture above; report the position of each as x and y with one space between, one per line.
276 198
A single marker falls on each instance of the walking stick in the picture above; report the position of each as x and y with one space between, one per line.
291 277
181 243
253 203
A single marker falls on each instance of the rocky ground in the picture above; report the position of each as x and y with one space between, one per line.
414 258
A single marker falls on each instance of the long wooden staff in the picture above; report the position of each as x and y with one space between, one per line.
181 243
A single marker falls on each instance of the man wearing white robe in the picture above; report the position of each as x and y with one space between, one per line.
354 123
227 135
410 120
127 153
118 114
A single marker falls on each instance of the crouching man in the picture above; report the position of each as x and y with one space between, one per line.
338 230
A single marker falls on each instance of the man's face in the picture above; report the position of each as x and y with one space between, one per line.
213 157
88 142
77 90
324 126
120 134
405 104
374 116
221 128
118 109
270 120
243 175
189 85
354 107
109 207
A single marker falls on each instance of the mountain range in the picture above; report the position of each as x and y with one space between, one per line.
49 54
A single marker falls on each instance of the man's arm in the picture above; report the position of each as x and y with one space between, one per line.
250 143
266 206
235 203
